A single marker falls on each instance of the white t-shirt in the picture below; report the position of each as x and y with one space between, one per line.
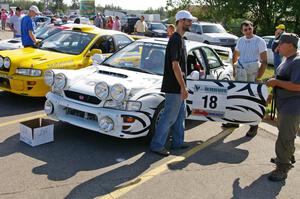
15 21
141 26
250 49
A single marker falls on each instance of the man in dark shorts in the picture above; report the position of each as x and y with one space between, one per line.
174 85
287 91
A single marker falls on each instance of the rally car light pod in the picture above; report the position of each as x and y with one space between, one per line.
49 77
106 124
60 81
29 72
1 61
118 92
101 90
6 62
48 107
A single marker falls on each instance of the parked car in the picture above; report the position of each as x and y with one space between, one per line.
211 33
156 30
122 97
41 34
21 70
41 20
128 24
269 41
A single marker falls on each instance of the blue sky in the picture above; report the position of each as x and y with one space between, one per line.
131 4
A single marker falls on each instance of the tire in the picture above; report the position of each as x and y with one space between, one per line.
206 42
154 121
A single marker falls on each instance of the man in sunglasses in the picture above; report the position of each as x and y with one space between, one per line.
249 61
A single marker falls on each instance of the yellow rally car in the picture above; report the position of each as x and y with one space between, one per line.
21 70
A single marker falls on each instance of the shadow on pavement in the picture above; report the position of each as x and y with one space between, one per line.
75 149
260 188
217 152
12 104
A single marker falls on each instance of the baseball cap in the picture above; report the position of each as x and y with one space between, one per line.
34 9
280 26
184 14
290 38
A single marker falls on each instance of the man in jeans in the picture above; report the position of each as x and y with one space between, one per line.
249 61
174 85
287 87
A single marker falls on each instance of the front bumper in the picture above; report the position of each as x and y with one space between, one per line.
23 85
88 117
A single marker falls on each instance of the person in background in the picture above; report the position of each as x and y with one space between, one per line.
3 18
280 29
287 95
15 22
117 24
170 30
140 26
11 12
27 30
249 62
109 23
65 20
98 22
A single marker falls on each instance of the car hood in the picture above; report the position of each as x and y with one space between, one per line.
84 80
11 44
221 35
29 57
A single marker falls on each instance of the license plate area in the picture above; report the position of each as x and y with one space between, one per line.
81 114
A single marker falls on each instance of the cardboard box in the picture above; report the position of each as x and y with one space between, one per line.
37 131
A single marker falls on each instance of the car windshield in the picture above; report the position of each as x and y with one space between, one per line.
158 26
140 56
69 42
216 28
46 31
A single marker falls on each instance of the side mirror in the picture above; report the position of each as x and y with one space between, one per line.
98 58
95 51
199 33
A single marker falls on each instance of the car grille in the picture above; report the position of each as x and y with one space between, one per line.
82 97
81 114
229 41
4 82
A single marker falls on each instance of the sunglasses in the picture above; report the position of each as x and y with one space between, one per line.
247 29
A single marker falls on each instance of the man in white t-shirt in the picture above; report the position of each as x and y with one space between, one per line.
249 61
140 26
15 22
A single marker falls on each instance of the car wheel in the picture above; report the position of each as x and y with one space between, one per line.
206 42
154 121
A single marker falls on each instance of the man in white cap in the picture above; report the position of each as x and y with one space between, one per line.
174 86
27 31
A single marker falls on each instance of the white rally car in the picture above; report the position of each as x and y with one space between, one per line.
122 97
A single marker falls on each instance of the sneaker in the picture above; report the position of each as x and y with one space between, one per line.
183 146
230 125
278 175
163 152
252 131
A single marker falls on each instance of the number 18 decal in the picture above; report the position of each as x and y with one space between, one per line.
209 101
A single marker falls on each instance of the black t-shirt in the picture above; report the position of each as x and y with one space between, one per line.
175 52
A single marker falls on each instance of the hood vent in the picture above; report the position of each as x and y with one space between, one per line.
112 74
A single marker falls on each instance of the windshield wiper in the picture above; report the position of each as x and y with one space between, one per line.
52 49
138 70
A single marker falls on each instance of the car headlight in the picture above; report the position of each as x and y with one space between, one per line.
115 105
102 90
118 92
1 61
29 72
48 107
49 77
6 62
133 106
60 81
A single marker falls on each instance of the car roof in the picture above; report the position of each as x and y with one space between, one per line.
189 44
93 29
205 23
